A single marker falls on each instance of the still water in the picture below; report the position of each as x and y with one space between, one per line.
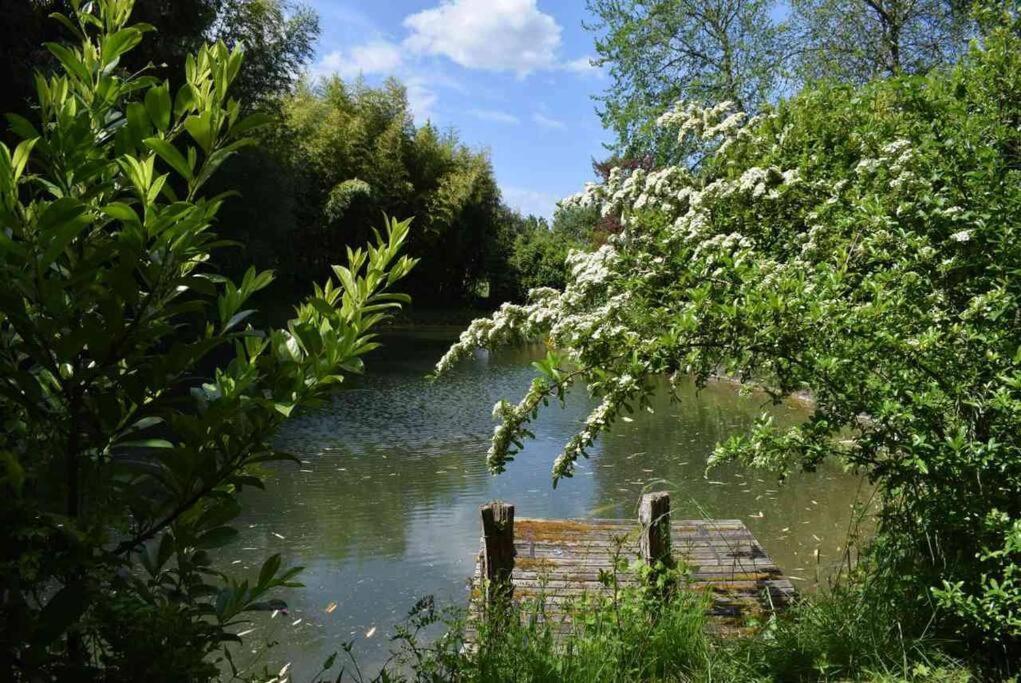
383 509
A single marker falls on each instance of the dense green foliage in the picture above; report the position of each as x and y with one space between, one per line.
336 156
858 243
538 255
341 155
138 398
277 37
643 630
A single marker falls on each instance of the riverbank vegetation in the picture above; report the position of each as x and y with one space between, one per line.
140 393
335 156
631 634
341 154
854 241
846 227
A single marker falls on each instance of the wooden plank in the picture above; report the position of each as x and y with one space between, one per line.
554 552
556 562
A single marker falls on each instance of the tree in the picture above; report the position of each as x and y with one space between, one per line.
539 251
858 40
661 51
858 243
277 37
138 396
345 152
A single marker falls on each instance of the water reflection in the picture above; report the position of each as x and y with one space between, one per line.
384 507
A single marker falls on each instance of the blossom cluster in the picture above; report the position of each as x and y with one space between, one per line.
590 316
716 218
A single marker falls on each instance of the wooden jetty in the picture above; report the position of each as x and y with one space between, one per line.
554 561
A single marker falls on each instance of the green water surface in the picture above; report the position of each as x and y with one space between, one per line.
383 509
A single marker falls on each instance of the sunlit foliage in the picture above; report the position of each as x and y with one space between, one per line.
861 244
138 394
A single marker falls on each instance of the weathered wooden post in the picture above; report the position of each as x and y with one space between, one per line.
497 551
654 516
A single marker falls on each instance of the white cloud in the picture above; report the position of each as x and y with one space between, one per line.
530 202
544 121
583 66
421 99
495 116
376 57
496 35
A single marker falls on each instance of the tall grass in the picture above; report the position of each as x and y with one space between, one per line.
655 629
849 632
628 635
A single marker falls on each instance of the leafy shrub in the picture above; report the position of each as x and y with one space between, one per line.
858 243
138 398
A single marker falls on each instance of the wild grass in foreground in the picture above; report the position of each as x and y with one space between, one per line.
659 631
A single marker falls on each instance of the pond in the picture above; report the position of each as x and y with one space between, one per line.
383 509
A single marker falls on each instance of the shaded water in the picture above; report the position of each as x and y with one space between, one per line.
384 508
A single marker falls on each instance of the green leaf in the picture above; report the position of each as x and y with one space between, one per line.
66 23
157 104
185 100
224 510
139 125
269 569
238 318
115 45
145 443
11 471
58 213
200 128
70 61
22 127
163 554
21 154
250 123
59 225
168 153
122 212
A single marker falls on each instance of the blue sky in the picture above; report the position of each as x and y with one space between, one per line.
512 76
